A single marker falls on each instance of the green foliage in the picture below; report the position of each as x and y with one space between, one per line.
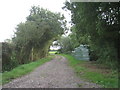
73 38
23 69
110 54
97 24
105 80
33 38
65 44
8 59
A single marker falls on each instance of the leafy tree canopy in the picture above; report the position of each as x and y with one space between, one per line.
98 25
38 32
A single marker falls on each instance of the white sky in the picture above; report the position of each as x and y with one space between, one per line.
12 12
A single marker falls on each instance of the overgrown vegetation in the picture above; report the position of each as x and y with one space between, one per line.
96 25
32 38
106 80
23 69
8 57
65 44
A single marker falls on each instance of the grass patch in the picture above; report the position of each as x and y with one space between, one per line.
106 80
23 69
52 52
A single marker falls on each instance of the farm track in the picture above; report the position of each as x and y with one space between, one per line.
53 74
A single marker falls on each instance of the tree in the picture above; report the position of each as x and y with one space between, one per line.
97 24
65 44
34 37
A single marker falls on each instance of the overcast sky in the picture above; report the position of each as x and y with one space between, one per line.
12 12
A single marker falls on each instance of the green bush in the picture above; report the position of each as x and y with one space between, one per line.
8 59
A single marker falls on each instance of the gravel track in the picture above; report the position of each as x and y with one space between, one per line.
53 74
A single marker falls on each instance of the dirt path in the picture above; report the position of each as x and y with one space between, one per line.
53 74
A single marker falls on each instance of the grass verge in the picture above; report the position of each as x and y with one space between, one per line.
23 69
52 52
106 80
